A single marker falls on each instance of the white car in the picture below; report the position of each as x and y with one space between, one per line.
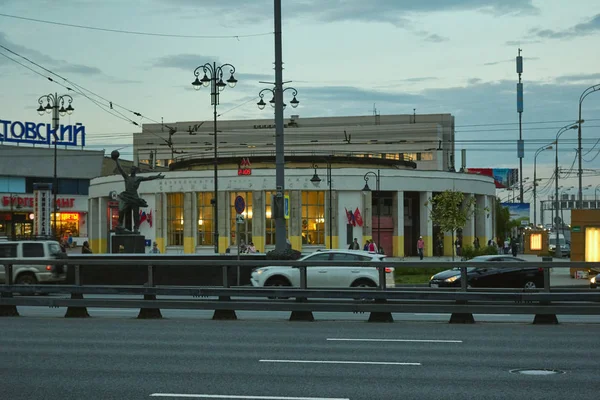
324 276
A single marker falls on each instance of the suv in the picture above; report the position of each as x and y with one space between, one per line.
31 274
324 276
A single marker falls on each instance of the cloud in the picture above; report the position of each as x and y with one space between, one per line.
583 29
510 60
59 66
387 11
435 38
187 62
358 95
522 42
593 78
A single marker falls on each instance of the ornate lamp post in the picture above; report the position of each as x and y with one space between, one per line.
585 93
55 105
378 189
213 76
315 181
556 176
280 232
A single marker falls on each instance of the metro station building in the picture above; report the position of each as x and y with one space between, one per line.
403 159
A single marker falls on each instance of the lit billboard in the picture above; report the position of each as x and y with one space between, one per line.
518 212
503 177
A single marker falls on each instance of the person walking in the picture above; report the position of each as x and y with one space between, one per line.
354 245
420 247
154 249
366 247
513 246
372 246
476 244
85 249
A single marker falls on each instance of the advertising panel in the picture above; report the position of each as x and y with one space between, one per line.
518 212
503 177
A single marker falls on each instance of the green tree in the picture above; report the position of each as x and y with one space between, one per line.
503 222
451 210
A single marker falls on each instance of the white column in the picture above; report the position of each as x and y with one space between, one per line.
425 224
469 229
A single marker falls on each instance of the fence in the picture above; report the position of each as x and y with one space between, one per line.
461 302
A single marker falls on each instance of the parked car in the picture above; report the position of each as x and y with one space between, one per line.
326 276
517 277
31 274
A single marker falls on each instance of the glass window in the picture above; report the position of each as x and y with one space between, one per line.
317 257
427 156
205 235
8 251
174 219
67 224
313 217
344 257
244 230
270 219
33 250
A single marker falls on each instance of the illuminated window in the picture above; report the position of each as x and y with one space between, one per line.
592 244
426 156
205 233
244 231
313 217
410 156
535 241
67 224
392 156
270 220
174 219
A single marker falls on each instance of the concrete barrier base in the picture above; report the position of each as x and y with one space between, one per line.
8 311
462 318
77 312
381 317
149 313
302 316
225 315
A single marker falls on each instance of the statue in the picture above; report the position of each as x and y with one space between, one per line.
129 200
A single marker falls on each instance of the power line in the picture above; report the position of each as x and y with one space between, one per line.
136 32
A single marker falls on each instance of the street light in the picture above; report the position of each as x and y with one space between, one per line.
280 231
378 189
585 93
556 176
213 76
316 181
53 102
535 181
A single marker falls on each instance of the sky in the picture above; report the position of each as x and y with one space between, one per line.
345 57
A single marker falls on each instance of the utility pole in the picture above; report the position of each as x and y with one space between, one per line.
520 143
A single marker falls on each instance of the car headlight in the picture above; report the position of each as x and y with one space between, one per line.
452 279
432 276
593 280
259 271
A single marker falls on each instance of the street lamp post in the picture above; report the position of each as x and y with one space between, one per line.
562 130
535 181
378 189
585 93
53 102
595 196
315 181
213 76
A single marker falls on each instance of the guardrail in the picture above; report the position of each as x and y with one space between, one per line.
545 303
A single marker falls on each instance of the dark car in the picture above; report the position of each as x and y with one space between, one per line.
490 277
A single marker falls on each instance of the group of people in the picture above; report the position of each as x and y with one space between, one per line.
369 246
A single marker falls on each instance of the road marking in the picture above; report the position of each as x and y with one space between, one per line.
340 362
396 340
232 396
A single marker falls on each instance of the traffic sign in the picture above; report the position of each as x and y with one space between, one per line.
240 204
286 207
239 219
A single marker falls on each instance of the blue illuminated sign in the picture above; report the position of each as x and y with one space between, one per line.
42 133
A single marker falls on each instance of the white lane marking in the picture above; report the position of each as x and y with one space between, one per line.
396 340
340 362
233 396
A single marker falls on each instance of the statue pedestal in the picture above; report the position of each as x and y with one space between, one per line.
132 243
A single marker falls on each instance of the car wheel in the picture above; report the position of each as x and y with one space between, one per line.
363 283
529 285
26 278
277 282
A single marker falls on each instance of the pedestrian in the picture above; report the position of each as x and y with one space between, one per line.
366 247
372 246
513 246
154 249
354 245
420 247
458 245
85 249
251 249
476 244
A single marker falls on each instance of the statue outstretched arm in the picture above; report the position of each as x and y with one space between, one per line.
153 177
120 169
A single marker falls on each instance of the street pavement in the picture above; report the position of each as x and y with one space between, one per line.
116 358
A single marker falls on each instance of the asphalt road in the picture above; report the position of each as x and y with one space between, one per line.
125 358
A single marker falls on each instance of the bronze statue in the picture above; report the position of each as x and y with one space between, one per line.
129 200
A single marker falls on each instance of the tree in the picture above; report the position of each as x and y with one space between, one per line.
503 222
451 210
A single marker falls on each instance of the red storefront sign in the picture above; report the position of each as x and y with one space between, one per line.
27 202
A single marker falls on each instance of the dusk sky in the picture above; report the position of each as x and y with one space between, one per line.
344 58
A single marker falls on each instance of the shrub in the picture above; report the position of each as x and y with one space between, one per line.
469 252
287 254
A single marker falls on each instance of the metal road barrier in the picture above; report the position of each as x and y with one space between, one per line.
545 303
